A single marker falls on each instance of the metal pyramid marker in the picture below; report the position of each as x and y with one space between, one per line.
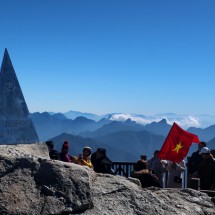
15 124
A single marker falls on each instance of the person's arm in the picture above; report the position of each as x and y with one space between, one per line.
149 164
163 166
169 166
180 166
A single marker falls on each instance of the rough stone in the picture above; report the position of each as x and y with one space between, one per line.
36 185
26 150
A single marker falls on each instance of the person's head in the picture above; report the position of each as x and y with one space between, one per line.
100 152
140 165
50 144
87 151
156 153
201 145
65 147
205 153
143 157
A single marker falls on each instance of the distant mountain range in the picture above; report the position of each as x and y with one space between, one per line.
186 121
120 146
124 138
49 125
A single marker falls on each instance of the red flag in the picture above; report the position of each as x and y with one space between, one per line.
177 144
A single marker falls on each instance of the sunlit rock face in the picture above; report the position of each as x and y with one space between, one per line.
31 183
15 124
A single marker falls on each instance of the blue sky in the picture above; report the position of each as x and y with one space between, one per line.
125 56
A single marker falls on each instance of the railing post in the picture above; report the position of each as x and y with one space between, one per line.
126 173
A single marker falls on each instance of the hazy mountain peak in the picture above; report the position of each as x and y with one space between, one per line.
163 121
74 114
59 116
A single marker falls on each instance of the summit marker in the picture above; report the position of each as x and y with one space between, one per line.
15 124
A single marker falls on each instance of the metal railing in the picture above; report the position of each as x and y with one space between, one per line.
123 168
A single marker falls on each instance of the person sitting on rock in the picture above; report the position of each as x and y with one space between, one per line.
64 152
100 161
142 173
53 154
84 159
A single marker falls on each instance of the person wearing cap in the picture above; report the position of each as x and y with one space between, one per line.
195 160
64 156
84 159
206 170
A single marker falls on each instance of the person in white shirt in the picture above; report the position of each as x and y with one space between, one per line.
175 171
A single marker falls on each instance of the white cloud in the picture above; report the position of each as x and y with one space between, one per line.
184 121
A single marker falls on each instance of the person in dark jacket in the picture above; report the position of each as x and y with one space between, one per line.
206 170
100 161
142 173
64 156
53 154
195 160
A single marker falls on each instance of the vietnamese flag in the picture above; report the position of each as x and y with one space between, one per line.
177 144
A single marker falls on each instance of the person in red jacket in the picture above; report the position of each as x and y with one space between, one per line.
64 156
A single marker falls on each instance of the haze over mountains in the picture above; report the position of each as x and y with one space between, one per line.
186 121
124 138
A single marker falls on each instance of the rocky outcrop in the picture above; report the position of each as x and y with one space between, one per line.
36 185
25 150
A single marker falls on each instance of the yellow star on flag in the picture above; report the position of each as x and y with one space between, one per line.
177 147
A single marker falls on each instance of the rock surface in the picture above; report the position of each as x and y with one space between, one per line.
25 150
30 183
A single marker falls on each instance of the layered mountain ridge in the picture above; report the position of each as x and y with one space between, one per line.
124 140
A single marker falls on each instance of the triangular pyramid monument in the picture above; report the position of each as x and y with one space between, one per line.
15 124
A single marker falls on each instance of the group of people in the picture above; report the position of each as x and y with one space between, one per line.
97 160
150 172
200 165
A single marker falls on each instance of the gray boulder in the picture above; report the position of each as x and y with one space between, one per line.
37 185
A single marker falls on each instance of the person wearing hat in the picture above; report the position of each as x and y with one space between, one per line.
64 156
195 160
206 170
84 159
